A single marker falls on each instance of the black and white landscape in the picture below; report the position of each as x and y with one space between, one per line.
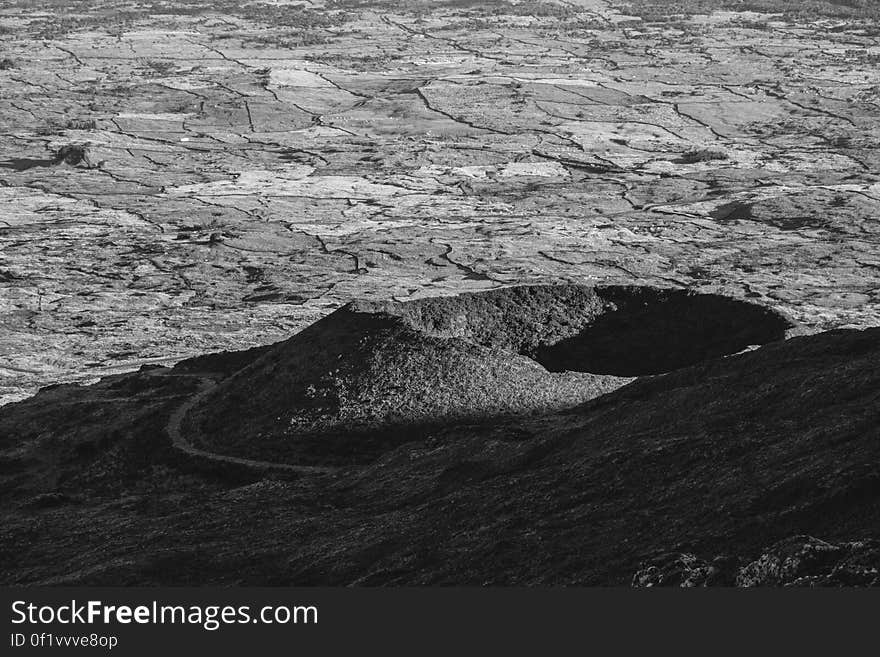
512 292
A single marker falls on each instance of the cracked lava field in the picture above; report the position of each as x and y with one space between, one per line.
185 177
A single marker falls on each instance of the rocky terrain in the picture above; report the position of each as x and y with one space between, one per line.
796 561
181 177
357 292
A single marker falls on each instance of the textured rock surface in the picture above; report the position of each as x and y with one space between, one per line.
727 456
686 571
252 167
796 561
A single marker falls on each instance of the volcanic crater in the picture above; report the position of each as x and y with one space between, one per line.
372 375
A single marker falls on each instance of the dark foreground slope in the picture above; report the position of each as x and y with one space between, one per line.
725 457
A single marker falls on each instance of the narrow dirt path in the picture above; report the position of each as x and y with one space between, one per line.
175 432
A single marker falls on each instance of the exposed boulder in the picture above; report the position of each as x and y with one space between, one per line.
795 561
687 571
808 561
73 154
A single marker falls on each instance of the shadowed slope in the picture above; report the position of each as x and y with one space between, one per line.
725 457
